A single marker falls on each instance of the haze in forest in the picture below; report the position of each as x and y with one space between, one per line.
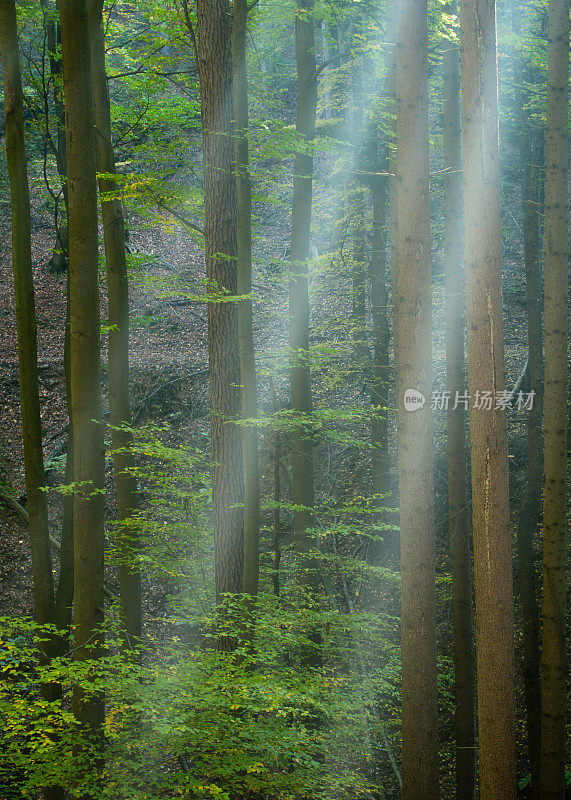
283 362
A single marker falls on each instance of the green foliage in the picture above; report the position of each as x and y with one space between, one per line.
198 723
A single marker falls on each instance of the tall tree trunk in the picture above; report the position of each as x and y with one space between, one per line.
118 353
356 205
358 298
413 367
26 316
245 329
88 453
392 147
303 489
215 75
381 464
58 262
488 439
531 152
64 591
44 601
380 380
277 496
459 522
553 667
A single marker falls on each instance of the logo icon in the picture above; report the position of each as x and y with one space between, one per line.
413 400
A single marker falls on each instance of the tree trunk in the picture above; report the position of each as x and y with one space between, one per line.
530 149
553 667
380 379
118 354
64 591
26 316
58 261
413 367
215 74
358 298
488 439
303 490
277 496
356 204
45 604
381 464
244 269
459 521
88 454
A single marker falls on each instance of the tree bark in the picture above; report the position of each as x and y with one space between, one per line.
530 150
215 75
459 521
488 439
381 463
64 591
245 321
26 316
302 440
413 367
58 262
88 453
553 666
118 351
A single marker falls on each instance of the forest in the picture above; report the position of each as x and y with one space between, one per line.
285 412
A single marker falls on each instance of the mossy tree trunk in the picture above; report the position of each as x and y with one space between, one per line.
88 452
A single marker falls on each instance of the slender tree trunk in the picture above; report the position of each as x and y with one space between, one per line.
488 439
459 520
381 464
88 455
215 74
245 327
58 262
358 297
380 460
26 316
277 497
530 158
302 437
392 147
44 602
356 204
64 591
118 354
553 666
413 367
